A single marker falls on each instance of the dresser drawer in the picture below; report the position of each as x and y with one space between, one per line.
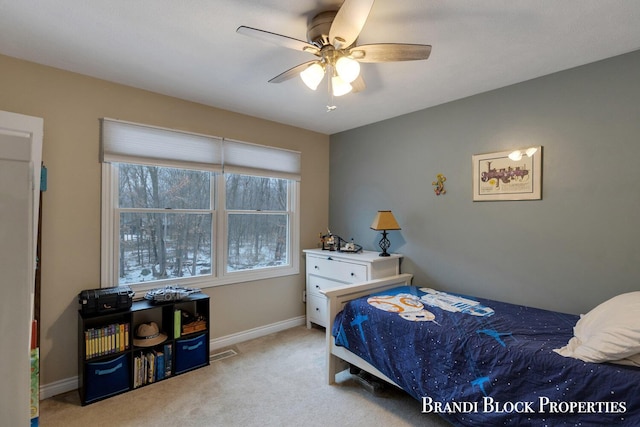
317 309
317 284
337 270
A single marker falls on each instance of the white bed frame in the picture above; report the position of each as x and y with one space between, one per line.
338 357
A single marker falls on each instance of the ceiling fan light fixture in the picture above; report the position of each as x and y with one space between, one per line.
312 75
332 37
339 86
348 69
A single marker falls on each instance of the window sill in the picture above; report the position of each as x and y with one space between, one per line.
210 282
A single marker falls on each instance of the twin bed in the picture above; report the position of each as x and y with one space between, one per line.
478 362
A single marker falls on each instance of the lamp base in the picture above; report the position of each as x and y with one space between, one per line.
384 244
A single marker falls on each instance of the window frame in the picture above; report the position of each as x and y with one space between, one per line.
110 237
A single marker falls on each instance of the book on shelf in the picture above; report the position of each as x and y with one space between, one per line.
151 365
121 335
126 335
168 359
136 369
160 365
106 340
177 323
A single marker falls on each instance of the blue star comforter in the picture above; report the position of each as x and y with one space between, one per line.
479 362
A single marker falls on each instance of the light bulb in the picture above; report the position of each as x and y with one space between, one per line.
312 75
348 69
515 156
531 151
340 87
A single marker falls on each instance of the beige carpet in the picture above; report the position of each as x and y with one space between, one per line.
277 380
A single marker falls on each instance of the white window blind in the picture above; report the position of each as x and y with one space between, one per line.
252 159
134 143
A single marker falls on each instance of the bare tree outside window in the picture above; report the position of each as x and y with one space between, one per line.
165 223
257 222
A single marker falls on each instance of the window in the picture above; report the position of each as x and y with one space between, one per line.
257 222
175 219
165 219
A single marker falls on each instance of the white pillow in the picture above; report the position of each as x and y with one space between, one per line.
608 333
629 361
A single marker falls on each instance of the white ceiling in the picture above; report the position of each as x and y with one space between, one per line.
189 49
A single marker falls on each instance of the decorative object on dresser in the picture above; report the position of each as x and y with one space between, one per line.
122 350
329 241
384 221
333 242
335 269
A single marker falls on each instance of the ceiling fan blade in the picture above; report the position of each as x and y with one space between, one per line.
390 52
358 84
291 72
278 39
349 21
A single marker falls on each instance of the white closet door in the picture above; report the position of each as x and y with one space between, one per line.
20 149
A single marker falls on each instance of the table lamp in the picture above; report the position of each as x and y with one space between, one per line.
384 221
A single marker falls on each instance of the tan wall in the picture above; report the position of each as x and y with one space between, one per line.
71 105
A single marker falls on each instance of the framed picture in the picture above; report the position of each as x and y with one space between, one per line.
508 175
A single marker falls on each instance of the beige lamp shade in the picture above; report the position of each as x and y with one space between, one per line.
385 220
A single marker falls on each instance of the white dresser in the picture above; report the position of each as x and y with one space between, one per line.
329 269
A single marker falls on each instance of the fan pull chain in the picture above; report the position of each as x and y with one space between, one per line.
330 105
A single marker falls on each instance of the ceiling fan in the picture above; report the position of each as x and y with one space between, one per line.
332 39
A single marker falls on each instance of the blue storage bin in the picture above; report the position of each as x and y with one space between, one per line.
191 353
106 378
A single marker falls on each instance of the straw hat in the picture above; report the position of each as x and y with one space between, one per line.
148 335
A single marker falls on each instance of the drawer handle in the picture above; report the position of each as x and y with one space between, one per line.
317 286
108 371
316 267
329 258
191 347
353 274
317 309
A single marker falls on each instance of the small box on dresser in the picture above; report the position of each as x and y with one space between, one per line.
329 269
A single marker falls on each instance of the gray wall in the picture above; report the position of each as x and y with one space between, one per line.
570 251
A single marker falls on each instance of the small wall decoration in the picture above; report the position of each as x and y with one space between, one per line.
508 175
438 184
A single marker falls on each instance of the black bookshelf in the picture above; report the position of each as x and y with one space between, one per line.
110 364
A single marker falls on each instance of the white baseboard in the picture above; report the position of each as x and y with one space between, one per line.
261 331
58 387
69 384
